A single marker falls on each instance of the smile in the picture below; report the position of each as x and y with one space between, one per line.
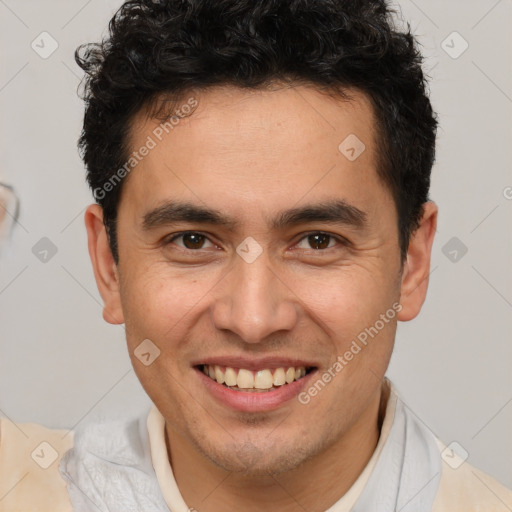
242 379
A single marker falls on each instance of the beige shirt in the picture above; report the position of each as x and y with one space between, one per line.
30 480
29 468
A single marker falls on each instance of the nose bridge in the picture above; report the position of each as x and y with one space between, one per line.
253 302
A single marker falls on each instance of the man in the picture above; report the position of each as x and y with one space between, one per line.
261 172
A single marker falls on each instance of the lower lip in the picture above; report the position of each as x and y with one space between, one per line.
255 401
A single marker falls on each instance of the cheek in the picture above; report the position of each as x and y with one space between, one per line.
347 298
157 302
348 305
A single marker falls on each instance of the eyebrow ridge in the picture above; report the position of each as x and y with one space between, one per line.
337 211
173 211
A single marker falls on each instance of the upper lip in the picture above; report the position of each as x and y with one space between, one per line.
251 363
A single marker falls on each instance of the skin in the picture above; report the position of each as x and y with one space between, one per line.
251 155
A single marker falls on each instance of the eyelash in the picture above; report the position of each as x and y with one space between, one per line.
341 241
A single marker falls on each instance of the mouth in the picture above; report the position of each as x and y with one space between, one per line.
255 381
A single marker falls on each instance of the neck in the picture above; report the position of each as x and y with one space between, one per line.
315 485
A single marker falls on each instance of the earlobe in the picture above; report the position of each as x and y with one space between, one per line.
416 269
105 269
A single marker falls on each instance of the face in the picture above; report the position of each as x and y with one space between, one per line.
254 252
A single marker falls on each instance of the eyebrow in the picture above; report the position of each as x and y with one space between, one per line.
175 211
334 211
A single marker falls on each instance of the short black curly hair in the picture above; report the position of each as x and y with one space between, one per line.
169 47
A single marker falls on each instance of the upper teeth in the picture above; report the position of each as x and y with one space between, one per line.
248 379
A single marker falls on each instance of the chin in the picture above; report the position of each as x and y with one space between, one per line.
253 460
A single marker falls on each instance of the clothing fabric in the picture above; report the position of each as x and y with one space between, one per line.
122 466
29 468
379 487
406 459
110 470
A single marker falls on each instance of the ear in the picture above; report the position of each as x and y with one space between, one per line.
105 269
416 271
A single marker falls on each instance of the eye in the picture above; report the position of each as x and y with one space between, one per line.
191 240
317 241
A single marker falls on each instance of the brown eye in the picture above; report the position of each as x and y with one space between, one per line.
192 241
319 241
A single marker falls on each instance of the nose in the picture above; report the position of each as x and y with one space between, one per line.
254 302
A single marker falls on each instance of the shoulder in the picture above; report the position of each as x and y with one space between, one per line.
29 468
464 488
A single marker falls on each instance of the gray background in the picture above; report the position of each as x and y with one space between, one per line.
60 363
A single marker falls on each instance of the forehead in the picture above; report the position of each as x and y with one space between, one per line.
277 144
